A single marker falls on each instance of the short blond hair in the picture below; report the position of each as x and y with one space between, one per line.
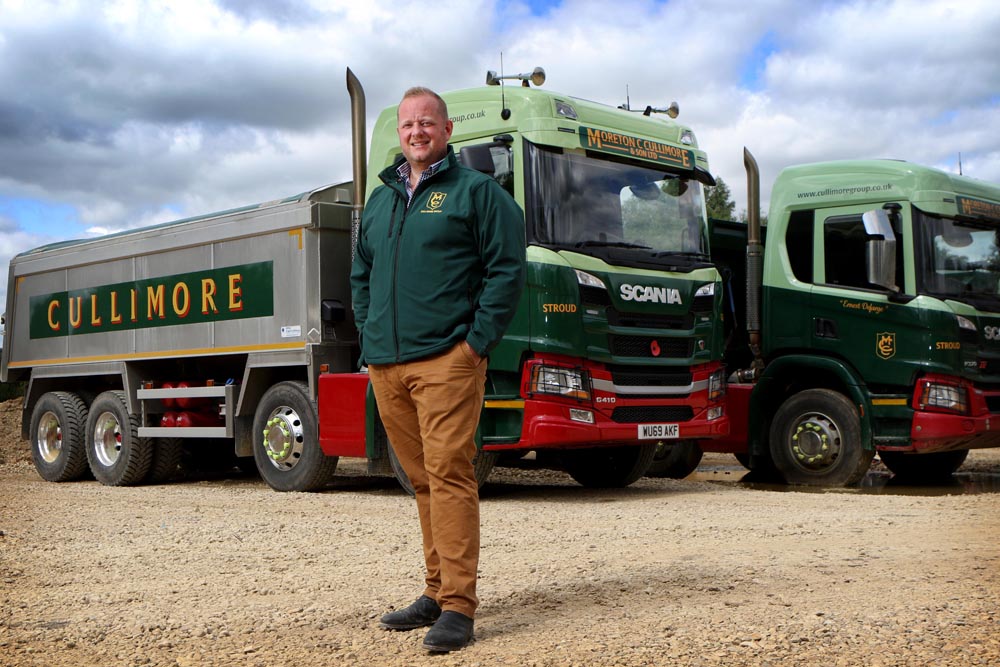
420 91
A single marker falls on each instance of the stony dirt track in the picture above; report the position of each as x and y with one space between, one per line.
666 572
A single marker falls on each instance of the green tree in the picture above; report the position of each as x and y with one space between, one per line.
744 218
719 201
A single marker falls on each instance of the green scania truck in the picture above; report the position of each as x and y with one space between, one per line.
237 327
870 321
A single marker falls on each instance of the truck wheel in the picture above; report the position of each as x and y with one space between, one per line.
117 455
167 453
482 464
762 467
608 467
816 440
675 460
922 467
57 436
286 440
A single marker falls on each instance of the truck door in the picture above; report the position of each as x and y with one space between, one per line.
852 318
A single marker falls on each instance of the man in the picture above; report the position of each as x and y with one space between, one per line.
437 275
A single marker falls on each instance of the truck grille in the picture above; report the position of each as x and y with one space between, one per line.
645 376
642 346
703 304
989 366
649 321
640 414
598 297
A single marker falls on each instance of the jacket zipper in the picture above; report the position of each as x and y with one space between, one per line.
392 217
421 186
395 271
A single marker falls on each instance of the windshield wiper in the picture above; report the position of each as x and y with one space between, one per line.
610 244
678 253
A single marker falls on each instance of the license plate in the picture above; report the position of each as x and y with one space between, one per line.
656 431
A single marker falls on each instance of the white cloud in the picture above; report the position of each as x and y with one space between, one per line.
138 111
14 241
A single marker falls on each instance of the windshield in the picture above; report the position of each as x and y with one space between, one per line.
578 201
956 260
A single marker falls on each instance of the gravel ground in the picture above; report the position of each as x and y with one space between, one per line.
665 572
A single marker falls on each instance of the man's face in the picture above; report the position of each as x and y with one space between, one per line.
423 131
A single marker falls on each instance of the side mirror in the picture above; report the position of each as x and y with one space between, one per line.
478 157
880 249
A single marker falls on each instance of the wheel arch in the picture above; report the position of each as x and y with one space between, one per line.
257 379
790 374
85 381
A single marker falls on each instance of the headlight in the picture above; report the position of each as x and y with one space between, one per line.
687 137
717 385
950 397
965 323
589 280
705 290
565 382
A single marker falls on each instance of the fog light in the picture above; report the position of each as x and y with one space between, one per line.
585 416
713 413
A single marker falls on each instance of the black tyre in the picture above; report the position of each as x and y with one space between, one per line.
815 440
286 440
922 467
482 464
167 453
675 460
761 467
58 427
608 467
116 453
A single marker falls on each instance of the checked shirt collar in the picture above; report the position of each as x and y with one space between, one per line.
403 171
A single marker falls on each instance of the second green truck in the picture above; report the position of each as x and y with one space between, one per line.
870 322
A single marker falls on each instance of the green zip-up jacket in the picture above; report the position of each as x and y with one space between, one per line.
448 267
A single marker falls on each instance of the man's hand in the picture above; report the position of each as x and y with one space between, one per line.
472 353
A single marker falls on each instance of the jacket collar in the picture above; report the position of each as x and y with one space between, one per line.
390 177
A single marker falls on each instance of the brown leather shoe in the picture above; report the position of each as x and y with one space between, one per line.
419 614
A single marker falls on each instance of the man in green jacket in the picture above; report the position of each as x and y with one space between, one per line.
437 275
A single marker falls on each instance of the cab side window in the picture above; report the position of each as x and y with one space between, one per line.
799 243
844 239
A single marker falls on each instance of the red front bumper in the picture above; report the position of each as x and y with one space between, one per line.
548 425
934 432
937 430
549 420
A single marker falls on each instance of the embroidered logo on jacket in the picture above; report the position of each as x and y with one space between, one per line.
434 202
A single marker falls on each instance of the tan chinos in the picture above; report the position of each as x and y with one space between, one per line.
430 408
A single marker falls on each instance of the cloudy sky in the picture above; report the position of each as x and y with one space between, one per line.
123 114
